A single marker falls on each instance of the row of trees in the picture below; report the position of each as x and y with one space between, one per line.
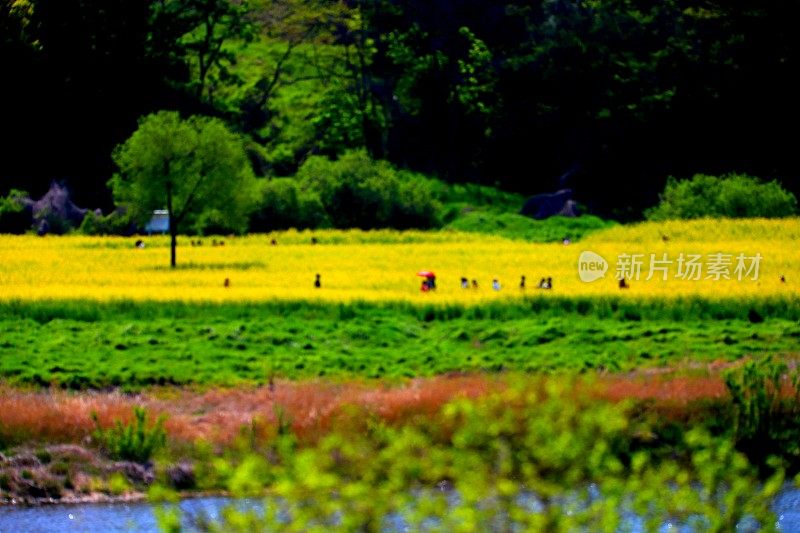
199 170
608 97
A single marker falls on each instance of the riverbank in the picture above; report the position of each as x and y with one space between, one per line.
51 455
70 474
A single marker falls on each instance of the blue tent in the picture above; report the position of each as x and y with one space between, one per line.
159 223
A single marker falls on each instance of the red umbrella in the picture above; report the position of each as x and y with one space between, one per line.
426 274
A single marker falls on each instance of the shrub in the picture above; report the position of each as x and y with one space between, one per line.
214 222
15 217
118 484
132 442
357 192
765 396
734 196
544 460
284 205
116 223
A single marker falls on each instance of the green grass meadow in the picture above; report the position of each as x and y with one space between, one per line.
85 345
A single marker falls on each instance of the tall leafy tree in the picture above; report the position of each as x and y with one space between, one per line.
195 168
204 27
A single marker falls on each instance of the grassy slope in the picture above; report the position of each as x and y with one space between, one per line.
133 345
480 209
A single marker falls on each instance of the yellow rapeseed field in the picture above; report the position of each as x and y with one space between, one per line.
382 265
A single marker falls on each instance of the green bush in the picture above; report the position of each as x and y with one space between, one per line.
766 401
285 205
214 222
519 460
14 218
115 223
353 191
733 196
132 442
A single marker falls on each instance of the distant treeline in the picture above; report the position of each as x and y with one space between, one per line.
607 97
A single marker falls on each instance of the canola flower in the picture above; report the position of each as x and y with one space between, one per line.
382 265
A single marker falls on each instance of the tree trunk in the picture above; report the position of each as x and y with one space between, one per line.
173 230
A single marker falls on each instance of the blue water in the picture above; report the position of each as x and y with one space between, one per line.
140 517
110 517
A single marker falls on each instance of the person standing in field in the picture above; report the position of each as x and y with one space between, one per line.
317 282
496 284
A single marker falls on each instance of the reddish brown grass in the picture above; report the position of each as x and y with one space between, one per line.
314 408
666 389
57 416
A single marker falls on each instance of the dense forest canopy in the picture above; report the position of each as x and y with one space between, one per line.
609 97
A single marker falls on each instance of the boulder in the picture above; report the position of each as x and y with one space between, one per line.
24 459
135 472
550 204
181 476
55 212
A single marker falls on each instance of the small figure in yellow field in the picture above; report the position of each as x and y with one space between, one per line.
317 282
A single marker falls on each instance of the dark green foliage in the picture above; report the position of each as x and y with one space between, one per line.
358 192
14 217
339 123
353 191
613 96
207 26
732 196
766 398
136 441
285 205
115 223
